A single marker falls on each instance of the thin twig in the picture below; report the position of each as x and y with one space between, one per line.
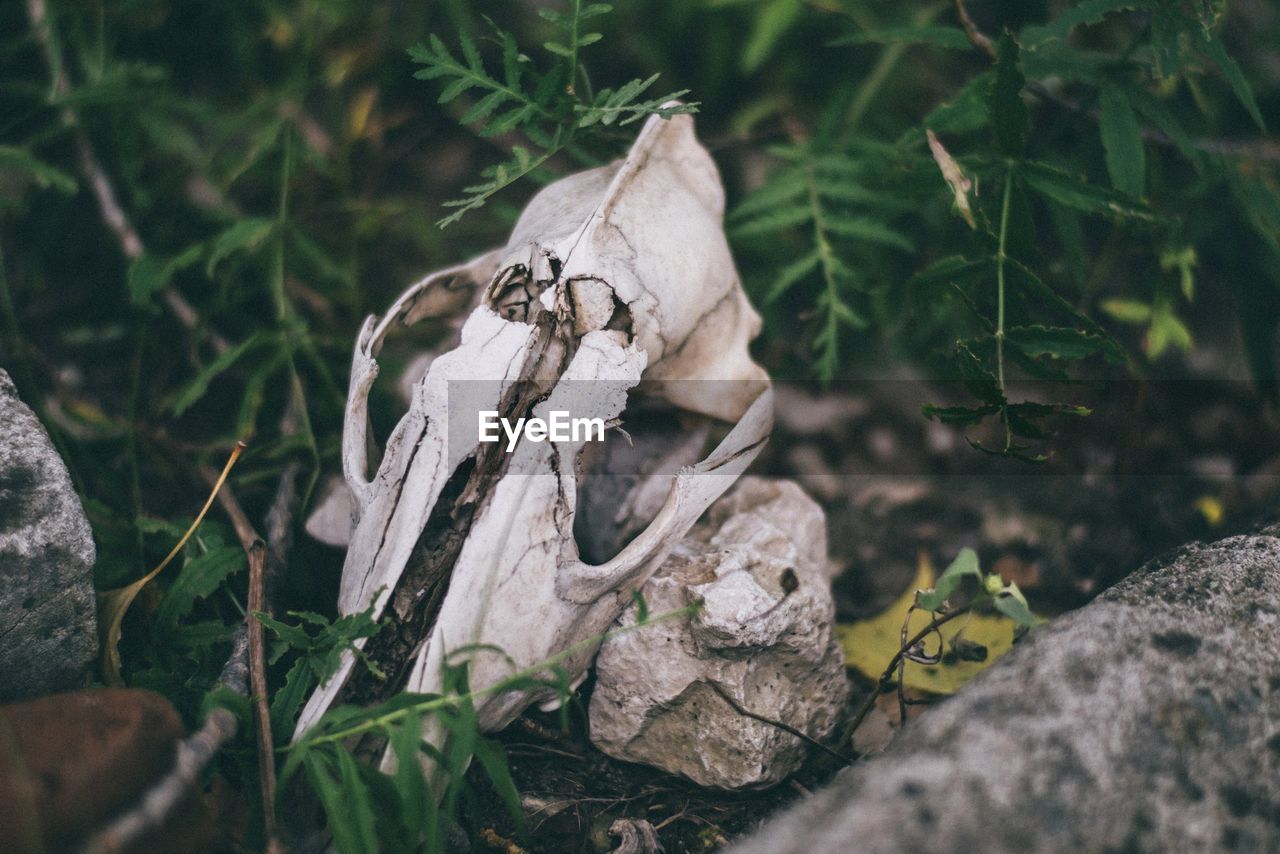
893 665
193 754
980 40
254 648
258 682
747 713
113 214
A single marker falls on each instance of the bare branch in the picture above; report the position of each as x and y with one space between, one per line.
980 40
193 754
803 736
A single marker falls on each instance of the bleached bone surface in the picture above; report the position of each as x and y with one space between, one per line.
763 638
610 276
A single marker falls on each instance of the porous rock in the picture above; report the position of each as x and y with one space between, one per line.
48 630
763 641
1148 720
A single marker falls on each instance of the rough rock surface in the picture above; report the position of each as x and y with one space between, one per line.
1146 721
70 762
48 631
763 638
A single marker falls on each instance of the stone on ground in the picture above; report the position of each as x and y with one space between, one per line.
48 630
1148 720
665 694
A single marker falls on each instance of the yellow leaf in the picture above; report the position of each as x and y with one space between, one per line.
869 645
1212 509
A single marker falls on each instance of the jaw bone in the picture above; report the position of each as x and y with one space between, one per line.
611 276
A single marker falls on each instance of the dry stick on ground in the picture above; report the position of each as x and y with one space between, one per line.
245 669
257 552
919 636
258 682
112 213
193 754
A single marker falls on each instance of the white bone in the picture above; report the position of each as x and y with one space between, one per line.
611 276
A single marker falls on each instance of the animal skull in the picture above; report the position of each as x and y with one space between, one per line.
610 276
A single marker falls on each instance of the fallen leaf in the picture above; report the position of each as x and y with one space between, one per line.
869 645
113 604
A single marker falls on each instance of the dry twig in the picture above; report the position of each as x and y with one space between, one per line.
193 754
898 658
737 707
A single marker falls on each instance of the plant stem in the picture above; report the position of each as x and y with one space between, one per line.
282 216
888 60
573 45
1000 259
829 262
498 687
870 700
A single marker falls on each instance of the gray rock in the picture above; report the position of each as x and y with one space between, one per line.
48 628
1147 721
673 694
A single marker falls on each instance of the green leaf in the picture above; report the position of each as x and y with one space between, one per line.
866 230
149 274
247 235
959 416
1062 343
196 388
1009 116
1157 112
965 565
1036 299
1088 12
1122 142
791 274
494 762
952 38
1013 605
1260 205
199 577
981 383
1231 70
347 804
416 799
786 186
776 220
775 18
1166 329
27 165
952 270
1127 310
967 111
286 700
1065 189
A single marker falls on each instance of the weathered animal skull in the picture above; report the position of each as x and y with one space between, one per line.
610 276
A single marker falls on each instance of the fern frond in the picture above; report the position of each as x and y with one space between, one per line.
544 107
471 74
610 106
501 176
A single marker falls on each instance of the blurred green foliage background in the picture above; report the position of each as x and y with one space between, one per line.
276 173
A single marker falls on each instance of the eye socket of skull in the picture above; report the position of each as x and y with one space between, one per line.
597 306
513 294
